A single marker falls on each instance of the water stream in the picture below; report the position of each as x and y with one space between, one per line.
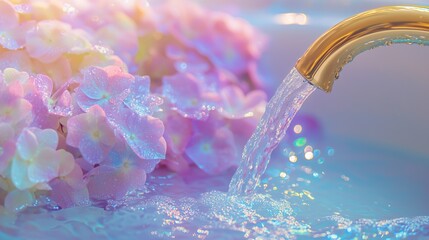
280 111
198 207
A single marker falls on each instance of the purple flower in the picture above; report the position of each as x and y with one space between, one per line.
92 134
59 103
12 34
178 131
236 105
144 134
70 190
186 95
106 87
14 109
37 161
140 100
50 39
212 146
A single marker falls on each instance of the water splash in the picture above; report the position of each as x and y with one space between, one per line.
278 115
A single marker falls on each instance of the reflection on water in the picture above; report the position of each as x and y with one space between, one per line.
295 200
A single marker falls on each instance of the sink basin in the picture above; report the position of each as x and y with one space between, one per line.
367 177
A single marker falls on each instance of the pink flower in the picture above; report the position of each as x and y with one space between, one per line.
187 59
50 39
58 103
91 133
9 17
7 147
178 131
12 33
123 157
70 190
236 105
43 104
11 75
186 95
212 146
106 87
230 43
17 59
60 70
37 161
14 109
144 134
122 172
140 100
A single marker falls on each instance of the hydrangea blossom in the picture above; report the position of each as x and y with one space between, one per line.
122 172
95 96
212 146
37 161
140 100
184 92
106 87
236 105
50 39
70 190
144 134
14 109
92 134
11 34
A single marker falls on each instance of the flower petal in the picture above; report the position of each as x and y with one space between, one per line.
8 17
91 151
19 174
18 200
27 144
45 166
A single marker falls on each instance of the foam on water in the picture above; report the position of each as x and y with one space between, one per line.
271 129
210 215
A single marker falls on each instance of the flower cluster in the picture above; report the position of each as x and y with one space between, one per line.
95 95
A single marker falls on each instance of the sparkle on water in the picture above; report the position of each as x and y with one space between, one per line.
271 129
287 204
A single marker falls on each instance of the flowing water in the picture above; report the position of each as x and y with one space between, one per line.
302 200
271 129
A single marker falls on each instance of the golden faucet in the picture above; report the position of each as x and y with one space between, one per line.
323 61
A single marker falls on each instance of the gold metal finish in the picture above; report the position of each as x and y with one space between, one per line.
325 58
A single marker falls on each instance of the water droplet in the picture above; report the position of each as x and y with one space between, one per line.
331 151
349 58
337 75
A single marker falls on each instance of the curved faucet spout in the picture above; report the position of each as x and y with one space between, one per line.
325 58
